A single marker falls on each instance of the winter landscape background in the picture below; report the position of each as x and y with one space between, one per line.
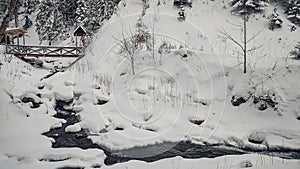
162 84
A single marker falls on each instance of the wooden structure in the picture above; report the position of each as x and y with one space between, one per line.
39 51
44 51
13 33
81 33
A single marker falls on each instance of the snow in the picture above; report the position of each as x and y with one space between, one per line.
234 162
165 98
198 77
73 128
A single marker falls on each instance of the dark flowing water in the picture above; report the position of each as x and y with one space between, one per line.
148 153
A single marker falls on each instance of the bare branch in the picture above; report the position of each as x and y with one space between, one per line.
128 47
228 36
238 25
255 35
254 48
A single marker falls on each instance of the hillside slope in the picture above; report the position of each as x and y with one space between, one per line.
188 86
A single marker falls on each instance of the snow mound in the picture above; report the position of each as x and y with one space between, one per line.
73 128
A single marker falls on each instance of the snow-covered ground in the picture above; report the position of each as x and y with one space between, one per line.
184 93
234 162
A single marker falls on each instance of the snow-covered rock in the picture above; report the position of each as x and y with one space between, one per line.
73 128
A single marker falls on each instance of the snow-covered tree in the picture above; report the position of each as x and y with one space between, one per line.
3 7
55 18
80 11
11 9
67 8
293 11
92 19
91 13
50 21
247 6
107 8
181 13
179 3
29 7
44 19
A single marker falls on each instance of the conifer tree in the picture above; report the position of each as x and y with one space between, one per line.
252 6
293 11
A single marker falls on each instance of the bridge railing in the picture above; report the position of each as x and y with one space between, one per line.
44 51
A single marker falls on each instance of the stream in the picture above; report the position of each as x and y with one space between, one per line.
162 150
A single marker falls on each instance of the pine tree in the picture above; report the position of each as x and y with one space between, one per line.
3 8
92 20
80 11
11 9
61 20
44 20
181 13
293 11
109 7
252 6
91 13
55 18
50 23
29 7
67 8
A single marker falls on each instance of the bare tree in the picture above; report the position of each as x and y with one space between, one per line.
153 40
5 22
129 47
243 45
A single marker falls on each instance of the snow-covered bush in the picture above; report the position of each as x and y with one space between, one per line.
166 47
261 102
275 21
142 35
296 51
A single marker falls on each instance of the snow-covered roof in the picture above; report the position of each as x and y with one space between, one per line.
15 31
79 31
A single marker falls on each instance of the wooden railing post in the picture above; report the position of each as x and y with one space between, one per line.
6 48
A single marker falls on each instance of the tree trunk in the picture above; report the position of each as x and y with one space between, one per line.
16 14
132 65
245 38
7 18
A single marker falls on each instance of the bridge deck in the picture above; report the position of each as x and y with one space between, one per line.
44 51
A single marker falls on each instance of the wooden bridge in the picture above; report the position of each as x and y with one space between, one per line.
44 51
41 51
